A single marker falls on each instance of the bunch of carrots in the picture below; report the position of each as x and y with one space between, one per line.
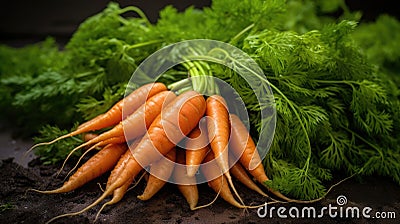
144 129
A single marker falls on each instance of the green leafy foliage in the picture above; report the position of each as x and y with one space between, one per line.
335 81
379 40
90 107
20 70
54 153
43 85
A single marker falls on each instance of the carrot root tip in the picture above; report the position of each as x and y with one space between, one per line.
191 170
43 192
142 197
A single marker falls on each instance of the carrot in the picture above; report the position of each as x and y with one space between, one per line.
186 184
119 168
129 104
135 124
240 174
219 132
114 115
160 172
130 168
196 149
176 120
244 148
119 192
217 180
146 114
100 163
113 140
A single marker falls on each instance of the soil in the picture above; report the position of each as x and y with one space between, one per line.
168 206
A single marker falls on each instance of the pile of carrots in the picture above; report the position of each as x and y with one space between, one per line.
144 129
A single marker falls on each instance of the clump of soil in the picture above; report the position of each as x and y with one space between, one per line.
168 206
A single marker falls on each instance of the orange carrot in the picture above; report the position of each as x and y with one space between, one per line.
130 167
244 148
186 184
176 120
119 168
218 130
160 172
113 140
240 174
146 114
129 104
218 127
114 115
100 163
135 124
196 149
119 192
218 182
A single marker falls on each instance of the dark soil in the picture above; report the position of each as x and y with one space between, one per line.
168 206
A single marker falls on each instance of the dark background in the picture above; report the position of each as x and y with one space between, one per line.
26 21
30 21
